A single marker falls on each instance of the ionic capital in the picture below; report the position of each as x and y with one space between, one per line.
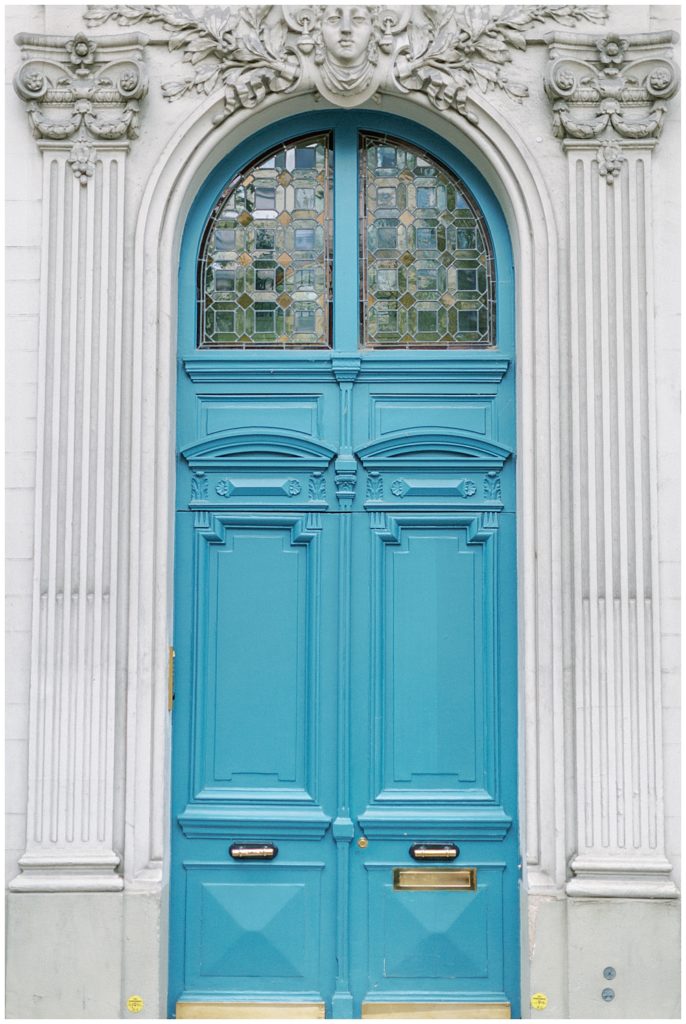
82 92
610 90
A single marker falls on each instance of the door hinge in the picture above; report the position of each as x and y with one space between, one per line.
170 679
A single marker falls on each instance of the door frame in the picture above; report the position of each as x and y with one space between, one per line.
502 156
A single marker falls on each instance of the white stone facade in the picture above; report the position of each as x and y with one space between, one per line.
588 180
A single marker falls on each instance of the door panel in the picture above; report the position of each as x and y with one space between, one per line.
242 923
260 691
434 941
429 669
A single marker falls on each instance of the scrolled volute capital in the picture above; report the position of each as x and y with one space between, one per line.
81 91
612 89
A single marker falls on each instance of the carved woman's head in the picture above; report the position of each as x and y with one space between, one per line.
347 35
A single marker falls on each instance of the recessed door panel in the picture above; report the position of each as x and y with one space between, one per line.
257 684
301 413
472 414
433 579
253 747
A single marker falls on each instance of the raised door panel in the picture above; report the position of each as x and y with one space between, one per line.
242 923
442 944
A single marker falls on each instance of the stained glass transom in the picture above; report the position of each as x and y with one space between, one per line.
265 269
426 258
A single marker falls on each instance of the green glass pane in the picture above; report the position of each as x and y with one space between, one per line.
426 259
266 255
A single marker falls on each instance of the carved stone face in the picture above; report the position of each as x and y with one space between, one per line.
346 32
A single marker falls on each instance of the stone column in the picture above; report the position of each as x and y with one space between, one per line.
82 101
609 98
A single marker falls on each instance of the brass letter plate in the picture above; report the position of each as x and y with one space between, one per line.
432 879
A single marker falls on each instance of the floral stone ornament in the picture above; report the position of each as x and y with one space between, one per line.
346 53
82 91
81 51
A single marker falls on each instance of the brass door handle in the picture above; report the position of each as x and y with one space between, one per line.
253 851
434 851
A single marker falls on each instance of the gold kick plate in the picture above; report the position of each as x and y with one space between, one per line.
436 1011
434 879
250 1011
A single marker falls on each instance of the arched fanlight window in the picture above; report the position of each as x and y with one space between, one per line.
265 266
426 266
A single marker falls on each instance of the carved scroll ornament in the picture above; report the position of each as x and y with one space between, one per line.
346 53
82 89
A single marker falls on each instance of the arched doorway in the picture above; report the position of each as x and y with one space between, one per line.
344 809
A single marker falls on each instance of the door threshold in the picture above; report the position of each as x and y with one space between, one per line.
250 1011
437 1011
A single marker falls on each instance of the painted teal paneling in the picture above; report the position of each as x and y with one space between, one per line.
346 666
430 666
249 747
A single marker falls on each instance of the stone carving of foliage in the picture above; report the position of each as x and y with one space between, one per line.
458 48
347 52
610 162
236 49
82 162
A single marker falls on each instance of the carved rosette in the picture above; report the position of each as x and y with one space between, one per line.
611 91
347 54
82 92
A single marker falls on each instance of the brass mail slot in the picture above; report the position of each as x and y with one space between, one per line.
431 879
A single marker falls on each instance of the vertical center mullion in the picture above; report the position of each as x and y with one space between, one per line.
345 234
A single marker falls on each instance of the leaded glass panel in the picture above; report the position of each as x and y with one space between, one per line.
426 258
265 269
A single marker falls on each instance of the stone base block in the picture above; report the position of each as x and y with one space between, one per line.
573 941
82 955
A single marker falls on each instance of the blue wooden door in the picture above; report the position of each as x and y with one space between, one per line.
344 838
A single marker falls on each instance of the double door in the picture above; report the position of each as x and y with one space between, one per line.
344 738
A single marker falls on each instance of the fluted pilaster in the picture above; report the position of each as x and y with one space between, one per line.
609 101
71 89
